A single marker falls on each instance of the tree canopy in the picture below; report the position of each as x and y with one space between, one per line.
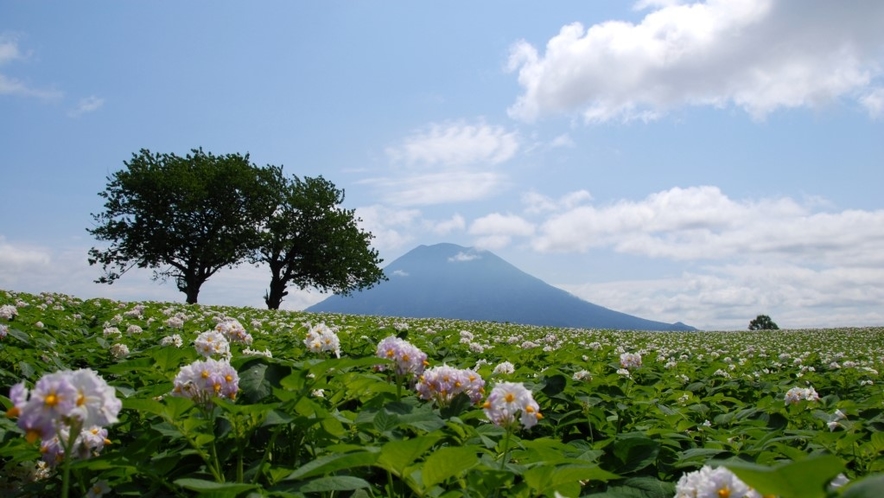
188 217
762 322
183 217
310 241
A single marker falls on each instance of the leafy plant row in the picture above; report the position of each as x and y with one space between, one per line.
321 408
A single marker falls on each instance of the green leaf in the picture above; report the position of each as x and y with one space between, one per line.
806 478
334 483
635 453
332 463
447 462
230 489
869 487
545 478
21 336
396 455
257 379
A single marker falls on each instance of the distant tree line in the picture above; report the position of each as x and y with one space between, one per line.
188 217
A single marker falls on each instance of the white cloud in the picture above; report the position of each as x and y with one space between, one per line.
86 105
456 144
563 140
538 203
391 227
726 297
874 102
455 224
400 273
437 188
758 55
446 163
14 258
701 223
462 257
496 230
9 51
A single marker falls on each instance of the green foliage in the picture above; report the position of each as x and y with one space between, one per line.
310 241
307 425
187 217
762 322
183 217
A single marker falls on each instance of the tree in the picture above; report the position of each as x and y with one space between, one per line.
184 217
763 322
310 241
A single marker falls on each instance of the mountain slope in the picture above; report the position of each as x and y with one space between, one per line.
450 281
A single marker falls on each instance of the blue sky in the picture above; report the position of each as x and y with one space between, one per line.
696 161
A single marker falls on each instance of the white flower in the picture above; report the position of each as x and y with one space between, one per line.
8 312
322 338
119 350
712 483
582 375
211 343
630 361
505 368
172 340
509 399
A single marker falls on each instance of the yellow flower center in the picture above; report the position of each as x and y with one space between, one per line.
510 397
724 493
50 400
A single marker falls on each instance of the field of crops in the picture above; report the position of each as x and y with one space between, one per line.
107 398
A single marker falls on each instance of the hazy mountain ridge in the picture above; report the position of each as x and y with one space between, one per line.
451 281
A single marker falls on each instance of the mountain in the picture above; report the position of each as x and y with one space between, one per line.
450 281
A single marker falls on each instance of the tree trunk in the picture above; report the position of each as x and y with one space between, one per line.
277 290
192 293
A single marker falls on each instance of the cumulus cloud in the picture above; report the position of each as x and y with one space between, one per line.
9 52
437 187
757 55
456 144
454 224
874 103
14 258
86 105
538 203
496 230
446 163
702 223
400 273
392 228
726 297
462 257
563 140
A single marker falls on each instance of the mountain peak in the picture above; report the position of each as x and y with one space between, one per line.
451 281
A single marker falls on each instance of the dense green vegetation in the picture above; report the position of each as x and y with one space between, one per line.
624 414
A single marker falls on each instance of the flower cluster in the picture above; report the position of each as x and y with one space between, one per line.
630 361
409 359
321 338
442 384
62 403
203 380
509 399
233 331
8 312
713 483
172 340
796 394
211 342
505 368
